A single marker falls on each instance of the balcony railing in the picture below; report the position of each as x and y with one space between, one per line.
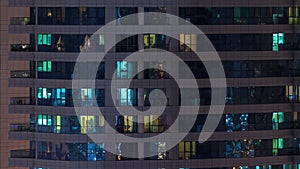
155 128
22 74
22 47
19 20
21 127
24 153
22 101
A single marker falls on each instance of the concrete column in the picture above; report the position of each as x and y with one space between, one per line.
140 125
141 150
110 119
141 20
173 96
110 67
108 99
173 153
170 119
110 14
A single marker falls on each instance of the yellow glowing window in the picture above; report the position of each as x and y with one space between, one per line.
151 123
187 150
149 40
188 42
57 124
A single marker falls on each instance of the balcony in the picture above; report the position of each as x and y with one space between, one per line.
21 127
22 47
20 21
24 153
22 101
22 74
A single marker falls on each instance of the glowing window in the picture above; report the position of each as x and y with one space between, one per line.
153 124
278 117
86 93
236 122
149 40
126 97
44 66
278 39
88 124
101 40
44 39
278 143
44 120
57 124
292 92
125 69
59 97
96 152
44 93
188 42
187 150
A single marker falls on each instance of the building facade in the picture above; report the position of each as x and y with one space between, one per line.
6 92
258 43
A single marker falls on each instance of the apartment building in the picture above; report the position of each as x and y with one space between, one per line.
257 42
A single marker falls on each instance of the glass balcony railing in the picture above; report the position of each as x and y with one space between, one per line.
22 74
22 101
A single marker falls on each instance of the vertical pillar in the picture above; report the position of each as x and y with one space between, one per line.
141 150
173 44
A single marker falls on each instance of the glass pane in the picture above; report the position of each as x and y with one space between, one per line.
44 66
40 119
48 42
40 66
101 39
83 122
281 38
49 120
45 120
40 39
49 67
39 93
